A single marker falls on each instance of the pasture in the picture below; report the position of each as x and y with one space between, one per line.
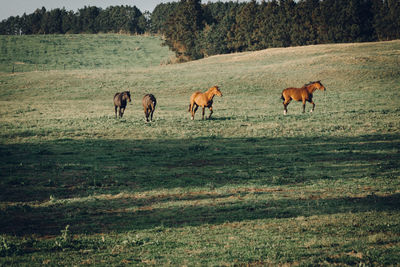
248 187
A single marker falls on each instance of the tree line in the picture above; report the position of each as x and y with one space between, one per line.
194 30
90 19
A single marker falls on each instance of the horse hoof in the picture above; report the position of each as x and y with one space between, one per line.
285 113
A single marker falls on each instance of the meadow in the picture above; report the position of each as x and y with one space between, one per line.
248 187
82 51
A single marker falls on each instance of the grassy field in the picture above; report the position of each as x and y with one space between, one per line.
248 187
71 52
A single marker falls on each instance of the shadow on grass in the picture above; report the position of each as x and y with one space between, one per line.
122 215
75 169
219 118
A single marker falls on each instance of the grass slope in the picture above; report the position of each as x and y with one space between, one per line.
83 51
250 186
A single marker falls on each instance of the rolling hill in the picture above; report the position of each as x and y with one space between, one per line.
248 187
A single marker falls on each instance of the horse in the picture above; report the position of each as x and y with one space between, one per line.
120 101
203 100
149 105
303 94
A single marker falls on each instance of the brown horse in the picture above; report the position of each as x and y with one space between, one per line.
120 102
204 100
149 105
303 94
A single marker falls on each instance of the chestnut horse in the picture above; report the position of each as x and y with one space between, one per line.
204 100
120 102
303 94
149 105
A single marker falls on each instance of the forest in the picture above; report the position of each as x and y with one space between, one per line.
194 30
90 19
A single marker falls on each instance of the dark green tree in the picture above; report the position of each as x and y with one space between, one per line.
160 16
217 36
305 21
245 27
183 30
389 26
36 20
54 20
87 19
69 22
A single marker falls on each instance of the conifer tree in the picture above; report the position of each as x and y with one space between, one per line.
183 30
193 30
245 27
160 15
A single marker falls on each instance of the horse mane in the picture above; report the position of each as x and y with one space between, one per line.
215 87
308 84
123 93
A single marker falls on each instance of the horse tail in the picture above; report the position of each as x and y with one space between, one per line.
282 97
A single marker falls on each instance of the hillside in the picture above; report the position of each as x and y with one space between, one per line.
80 51
250 186
361 79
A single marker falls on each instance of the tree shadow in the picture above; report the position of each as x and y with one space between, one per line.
221 118
68 169
76 168
127 214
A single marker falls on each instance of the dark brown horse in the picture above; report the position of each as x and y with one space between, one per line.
204 100
303 94
149 105
120 102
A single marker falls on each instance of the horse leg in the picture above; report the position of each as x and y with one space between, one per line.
211 112
312 102
194 109
116 109
285 104
146 114
313 106
204 109
151 115
304 105
121 112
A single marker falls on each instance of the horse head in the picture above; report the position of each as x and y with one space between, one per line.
215 90
318 85
128 95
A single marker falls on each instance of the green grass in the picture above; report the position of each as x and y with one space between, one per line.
248 187
83 51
